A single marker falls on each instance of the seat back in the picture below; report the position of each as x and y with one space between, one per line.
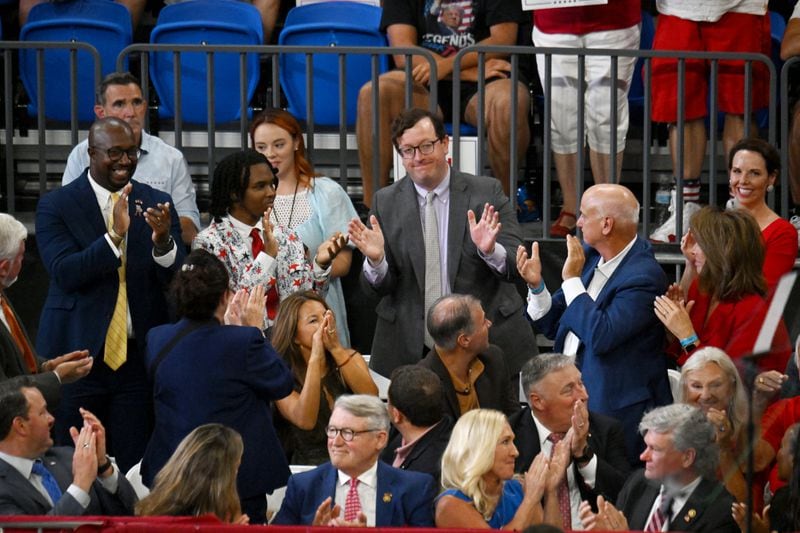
205 22
104 24
329 24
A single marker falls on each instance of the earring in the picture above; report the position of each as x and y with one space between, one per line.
770 188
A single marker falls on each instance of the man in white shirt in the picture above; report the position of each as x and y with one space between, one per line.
678 489
557 399
36 479
603 312
356 489
160 165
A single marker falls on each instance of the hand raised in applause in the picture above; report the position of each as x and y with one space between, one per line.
368 240
530 269
484 231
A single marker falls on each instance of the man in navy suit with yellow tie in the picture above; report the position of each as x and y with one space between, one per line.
108 244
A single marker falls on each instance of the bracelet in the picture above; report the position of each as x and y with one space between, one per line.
104 467
349 358
537 290
162 251
689 340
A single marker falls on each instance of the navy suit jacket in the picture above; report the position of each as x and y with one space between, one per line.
404 498
605 440
708 508
224 374
84 282
621 353
400 328
19 496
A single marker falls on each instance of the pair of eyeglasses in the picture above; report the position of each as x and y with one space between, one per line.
115 154
346 433
426 148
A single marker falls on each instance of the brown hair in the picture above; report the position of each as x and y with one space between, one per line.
286 121
732 243
285 330
200 477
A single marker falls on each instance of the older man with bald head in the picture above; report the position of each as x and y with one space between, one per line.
602 313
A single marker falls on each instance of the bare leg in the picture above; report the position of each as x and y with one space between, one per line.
136 8
794 155
499 127
269 15
188 230
733 131
694 148
566 164
601 166
391 103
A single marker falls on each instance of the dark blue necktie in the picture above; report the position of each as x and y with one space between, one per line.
48 481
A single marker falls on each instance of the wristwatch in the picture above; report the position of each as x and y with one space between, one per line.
586 457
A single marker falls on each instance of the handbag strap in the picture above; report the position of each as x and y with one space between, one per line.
188 328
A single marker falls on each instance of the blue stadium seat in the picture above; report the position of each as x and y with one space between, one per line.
205 22
104 24
329 24
648 31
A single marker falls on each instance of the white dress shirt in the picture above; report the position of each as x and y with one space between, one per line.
367 492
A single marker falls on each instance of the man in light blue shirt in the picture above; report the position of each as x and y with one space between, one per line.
160 165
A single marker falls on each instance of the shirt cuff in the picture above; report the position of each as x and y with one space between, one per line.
81 496
539 304
497 259
572 288
168 258
110 483
267 263
589 471
113 246
375 274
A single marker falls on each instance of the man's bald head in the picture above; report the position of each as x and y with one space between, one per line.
102 127
113 153
618 202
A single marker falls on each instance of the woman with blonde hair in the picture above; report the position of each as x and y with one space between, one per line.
200 477
710 381
478 471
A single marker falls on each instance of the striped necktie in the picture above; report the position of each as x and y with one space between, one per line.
116 347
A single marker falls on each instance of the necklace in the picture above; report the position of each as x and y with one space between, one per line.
291 210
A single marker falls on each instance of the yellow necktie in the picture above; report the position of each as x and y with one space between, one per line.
116 349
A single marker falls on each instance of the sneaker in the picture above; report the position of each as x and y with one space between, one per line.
666 232
795 220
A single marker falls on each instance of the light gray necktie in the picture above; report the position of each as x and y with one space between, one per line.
433 268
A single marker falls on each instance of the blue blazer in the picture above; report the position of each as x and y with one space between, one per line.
621 354
405 498
224 374
84 282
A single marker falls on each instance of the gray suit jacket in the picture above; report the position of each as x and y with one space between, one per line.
19 497
399 332
13 365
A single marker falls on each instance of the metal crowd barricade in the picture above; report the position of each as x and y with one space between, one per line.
8 48
786 120
647 55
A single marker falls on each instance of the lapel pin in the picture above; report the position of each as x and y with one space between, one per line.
139 211
387 497
690 515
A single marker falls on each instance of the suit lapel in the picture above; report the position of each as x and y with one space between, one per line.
444 375
692 510
645 504
16 483
85 203
328 487
415 241
457 223
384 497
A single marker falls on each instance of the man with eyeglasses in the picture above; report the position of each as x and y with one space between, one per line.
109 245
435 232
355 489
160 165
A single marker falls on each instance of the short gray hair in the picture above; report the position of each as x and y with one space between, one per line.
449 317
12 233
690 429
540 366
365 406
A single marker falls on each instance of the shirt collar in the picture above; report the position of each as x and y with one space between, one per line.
20 464
101 193
146 144
442 190
541 430
241 227
368 478
608 267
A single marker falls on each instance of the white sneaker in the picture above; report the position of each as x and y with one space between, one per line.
795 220
667 231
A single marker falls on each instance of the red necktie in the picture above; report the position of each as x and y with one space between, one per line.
563 489
272 292
660 516
19 337
352 505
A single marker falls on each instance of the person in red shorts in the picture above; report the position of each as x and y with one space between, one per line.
708 26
